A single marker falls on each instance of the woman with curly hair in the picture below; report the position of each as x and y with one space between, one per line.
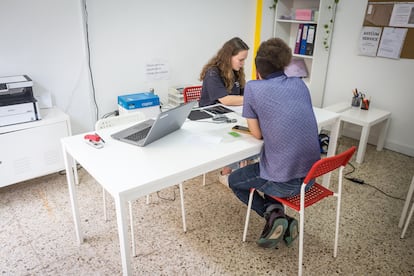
223 82
223 76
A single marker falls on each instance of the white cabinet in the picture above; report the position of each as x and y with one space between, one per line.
286 27
33 149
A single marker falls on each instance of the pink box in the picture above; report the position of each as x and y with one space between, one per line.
303 14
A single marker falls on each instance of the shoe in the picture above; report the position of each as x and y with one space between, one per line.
292 231
274 230
224 179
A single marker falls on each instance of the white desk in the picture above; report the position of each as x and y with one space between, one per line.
365 119
195 149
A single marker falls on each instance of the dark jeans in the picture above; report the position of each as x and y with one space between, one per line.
241 180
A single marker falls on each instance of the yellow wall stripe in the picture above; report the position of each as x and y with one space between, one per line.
258 29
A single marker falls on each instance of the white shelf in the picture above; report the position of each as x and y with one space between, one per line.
302 56
287 29
295 21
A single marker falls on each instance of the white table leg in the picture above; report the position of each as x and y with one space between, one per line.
407 203
122 221
407 221
75 171
383 134
362 144
72 193
182 206
333 141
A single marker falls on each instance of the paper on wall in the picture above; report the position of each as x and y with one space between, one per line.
391 42
369 41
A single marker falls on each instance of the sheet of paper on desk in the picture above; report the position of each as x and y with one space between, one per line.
237 109
203 139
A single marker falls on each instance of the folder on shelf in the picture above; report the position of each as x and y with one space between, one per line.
298 39
310 40
302 50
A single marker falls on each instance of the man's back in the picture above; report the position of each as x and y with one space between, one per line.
284 110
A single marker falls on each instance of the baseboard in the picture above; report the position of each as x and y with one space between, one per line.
404 149
354 132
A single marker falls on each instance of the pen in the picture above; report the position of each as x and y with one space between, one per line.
355 92
103 141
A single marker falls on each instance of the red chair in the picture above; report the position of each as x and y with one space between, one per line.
313 195
192 93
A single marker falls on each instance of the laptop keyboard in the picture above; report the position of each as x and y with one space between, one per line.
138 136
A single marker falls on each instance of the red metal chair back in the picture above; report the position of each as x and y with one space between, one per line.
192 93
328 164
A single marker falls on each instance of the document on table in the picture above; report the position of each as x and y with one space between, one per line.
237 109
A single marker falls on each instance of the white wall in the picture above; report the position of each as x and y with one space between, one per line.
389 82
45 39
126 35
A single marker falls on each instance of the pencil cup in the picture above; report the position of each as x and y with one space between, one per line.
356 101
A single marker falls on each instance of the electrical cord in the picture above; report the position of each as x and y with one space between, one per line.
112 113
219 119
88 49
166 198
63 172
218 122
362 182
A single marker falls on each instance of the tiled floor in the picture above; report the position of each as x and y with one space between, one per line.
37 235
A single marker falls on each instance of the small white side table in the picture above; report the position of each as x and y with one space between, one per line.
366 119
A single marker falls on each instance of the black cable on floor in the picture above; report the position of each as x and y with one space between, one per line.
63 172
166 198
362 182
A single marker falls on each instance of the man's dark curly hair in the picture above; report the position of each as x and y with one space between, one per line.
272 56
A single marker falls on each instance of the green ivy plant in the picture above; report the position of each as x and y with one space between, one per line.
328 28
273 6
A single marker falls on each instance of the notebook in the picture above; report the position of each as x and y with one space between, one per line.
148 131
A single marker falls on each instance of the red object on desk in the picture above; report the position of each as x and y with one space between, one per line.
93 137
365 104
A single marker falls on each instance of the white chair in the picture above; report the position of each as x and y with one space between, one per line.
110 122
405 209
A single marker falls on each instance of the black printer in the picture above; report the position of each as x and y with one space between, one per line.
17 103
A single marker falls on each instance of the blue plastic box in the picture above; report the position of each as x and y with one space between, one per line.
139 100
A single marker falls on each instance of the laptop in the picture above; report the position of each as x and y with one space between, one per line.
148 131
